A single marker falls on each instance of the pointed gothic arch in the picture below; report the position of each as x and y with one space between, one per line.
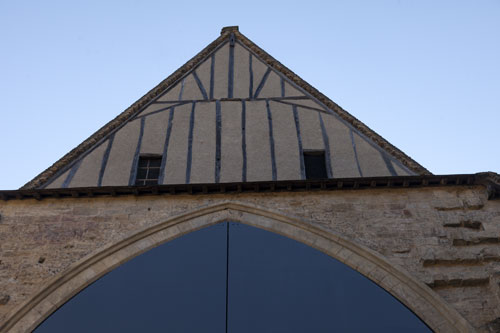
419 298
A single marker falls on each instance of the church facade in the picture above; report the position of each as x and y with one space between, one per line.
235 136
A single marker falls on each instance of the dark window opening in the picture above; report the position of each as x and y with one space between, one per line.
148 170
315 164
233 278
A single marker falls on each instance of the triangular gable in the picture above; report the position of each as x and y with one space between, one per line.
228 72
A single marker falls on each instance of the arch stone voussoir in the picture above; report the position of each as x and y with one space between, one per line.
424 302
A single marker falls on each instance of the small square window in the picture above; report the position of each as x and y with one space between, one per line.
148 170
315 164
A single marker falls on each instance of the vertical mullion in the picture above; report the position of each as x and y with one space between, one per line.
190 144
271 141
355 153
227 274
250 70
135 161
243 142
299 140
218 140
230 74
326 144
212 65
105 158
147 171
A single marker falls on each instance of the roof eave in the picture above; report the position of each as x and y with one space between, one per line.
489 180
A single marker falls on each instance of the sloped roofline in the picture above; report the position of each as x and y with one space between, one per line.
226 32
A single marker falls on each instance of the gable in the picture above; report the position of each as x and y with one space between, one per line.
230 117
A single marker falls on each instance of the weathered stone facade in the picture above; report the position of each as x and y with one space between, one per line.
443 240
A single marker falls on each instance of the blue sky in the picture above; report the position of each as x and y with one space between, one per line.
423 74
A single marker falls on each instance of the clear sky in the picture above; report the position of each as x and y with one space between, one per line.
423 74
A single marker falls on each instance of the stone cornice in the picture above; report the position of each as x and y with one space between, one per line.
489 180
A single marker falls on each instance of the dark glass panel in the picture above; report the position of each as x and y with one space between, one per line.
153 173
141 173
177 287
315 165
279 285
275 285
151 182
155 162
143 162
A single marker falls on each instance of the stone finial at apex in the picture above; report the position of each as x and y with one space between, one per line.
231 28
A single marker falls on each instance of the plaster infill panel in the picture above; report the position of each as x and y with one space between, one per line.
258 70
191 90
342 157
310 129
172 94
203 146
57 183
370 160
400 171
291 91
241 72
272 87
285 141
175 167
122 154
155 130
88 172
203 72
307 102
157 107
231 142
221 69
257 142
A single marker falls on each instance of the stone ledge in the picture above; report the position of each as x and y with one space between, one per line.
263 186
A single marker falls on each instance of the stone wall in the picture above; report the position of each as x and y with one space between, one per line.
446 237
